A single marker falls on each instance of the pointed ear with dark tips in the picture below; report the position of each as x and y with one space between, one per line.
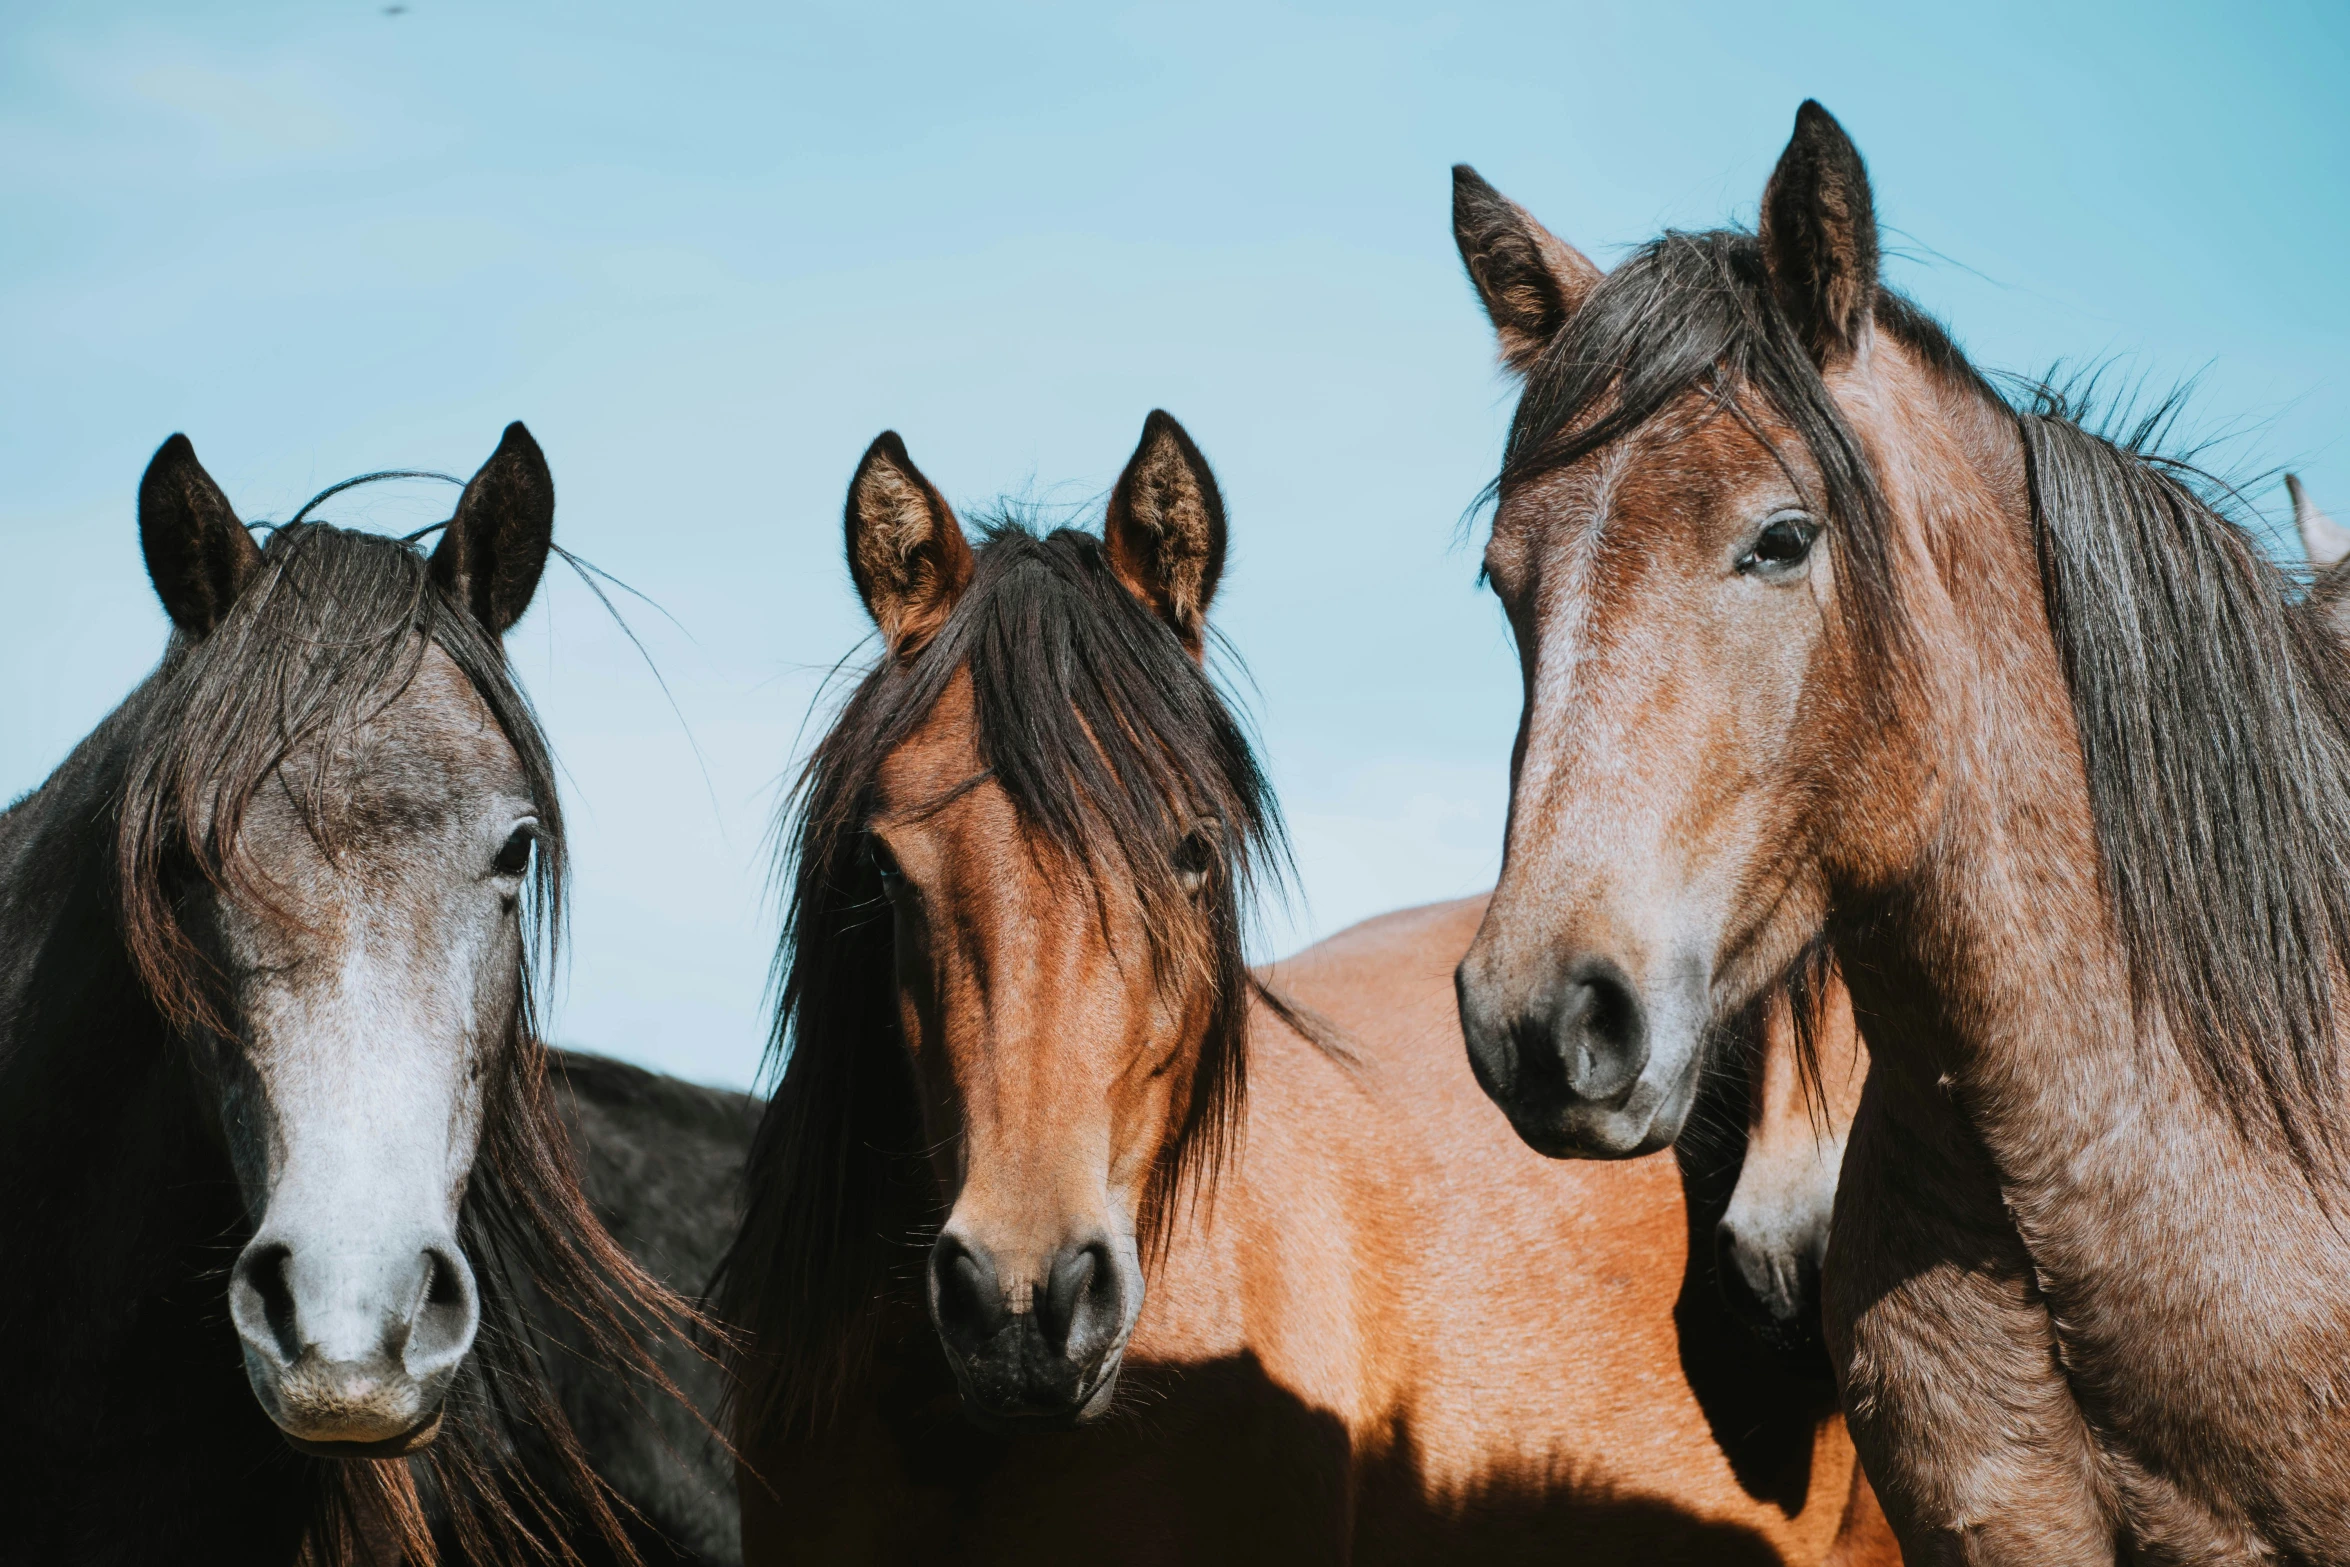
198 555
493 551
2326 540
1165 529
907 552
1529 279
1819 237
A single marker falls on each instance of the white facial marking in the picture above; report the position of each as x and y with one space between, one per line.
375 986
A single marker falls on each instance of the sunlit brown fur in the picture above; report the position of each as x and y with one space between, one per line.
1391 1334
1380 1330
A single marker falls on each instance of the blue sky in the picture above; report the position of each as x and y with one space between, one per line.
708 252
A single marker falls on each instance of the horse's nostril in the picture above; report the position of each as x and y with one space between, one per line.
1733 1264
971 1308
445 1286
261 1299
1078 1295
446 1318
1603 1038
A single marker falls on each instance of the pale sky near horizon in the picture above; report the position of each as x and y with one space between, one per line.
708 252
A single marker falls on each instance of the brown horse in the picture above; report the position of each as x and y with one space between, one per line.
1265 1248
1822 635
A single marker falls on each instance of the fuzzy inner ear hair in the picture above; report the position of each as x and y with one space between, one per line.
1165 529
2326 540
1530 280
906 550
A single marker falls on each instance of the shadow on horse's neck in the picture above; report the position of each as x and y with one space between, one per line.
127 1196
91 1057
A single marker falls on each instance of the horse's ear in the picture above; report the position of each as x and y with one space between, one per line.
493 551
906 550
1165 529
1530 279
2326 540
1819 237
198 555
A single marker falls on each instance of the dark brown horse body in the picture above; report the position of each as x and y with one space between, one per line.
1821 635
1262 1250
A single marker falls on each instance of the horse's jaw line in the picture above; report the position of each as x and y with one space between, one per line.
1616 1131
1098 1399
413 1440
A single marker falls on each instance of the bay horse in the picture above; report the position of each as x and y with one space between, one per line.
1824 637
1071 1239
276 1132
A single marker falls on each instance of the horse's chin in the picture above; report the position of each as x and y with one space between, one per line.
1643 1123
1579 1138
415 1439
1099 1397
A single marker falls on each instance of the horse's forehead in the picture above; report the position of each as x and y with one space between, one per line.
940 755
1693 458
957 827
429 757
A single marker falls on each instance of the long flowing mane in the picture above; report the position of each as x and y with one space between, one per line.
1109 740
2210 698
2214 713
333 628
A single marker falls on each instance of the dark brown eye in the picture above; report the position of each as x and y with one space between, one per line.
514 857
1195 856
883 865
1784 544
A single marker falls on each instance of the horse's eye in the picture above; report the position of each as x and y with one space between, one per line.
884 866
1784 544
1195 857
514 856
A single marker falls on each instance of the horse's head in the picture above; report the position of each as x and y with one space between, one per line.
1041 795
333 810
1700 636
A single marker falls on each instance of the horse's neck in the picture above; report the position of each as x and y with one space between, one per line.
1990 969
134 1387
102 1153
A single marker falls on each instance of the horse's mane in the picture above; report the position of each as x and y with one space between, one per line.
1110 742
2211 701
2214 713
333 627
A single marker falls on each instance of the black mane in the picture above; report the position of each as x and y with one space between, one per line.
1110 742
2210 698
